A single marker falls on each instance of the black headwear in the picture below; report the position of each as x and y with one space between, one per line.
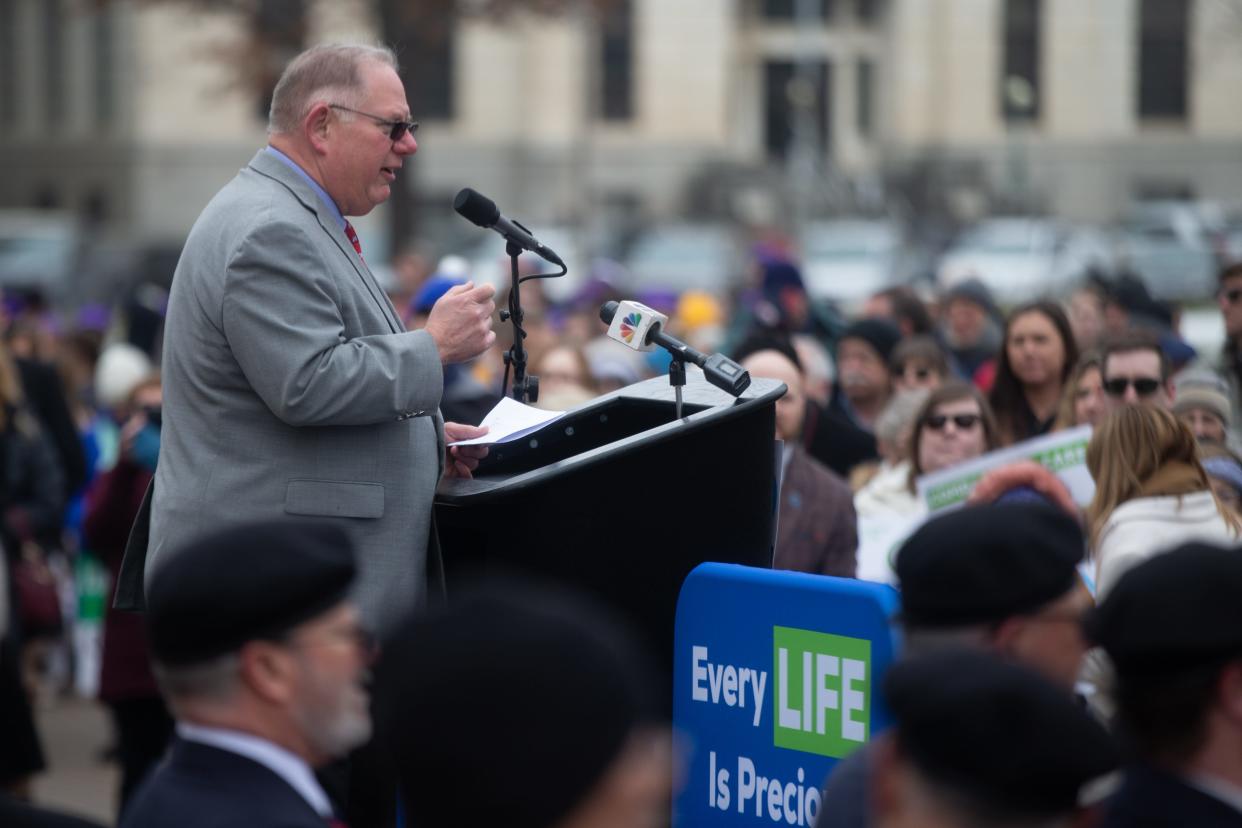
1180 609
507 706
996 733
880 334
981 564
246 582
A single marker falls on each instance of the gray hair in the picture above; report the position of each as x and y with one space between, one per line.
319 73
215 680
899 414
921 641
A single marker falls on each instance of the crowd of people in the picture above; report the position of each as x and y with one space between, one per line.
263 510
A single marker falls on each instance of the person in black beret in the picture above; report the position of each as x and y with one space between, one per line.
523 706
1000 577
979 741
260 656
1172 627
863 352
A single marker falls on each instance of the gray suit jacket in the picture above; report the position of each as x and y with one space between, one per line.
292 390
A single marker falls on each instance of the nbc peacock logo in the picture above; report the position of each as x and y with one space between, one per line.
629 325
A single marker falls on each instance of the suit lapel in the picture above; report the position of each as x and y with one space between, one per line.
264 163
328 224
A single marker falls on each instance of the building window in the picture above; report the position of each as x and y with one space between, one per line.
616 51
280 34
865 97
1019 92
795 95
788 11
868 11
105 67
425 46
8 65
53 62
1163 59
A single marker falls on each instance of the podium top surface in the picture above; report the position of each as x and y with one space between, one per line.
705 407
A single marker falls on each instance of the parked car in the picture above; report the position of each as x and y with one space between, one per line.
50 254
39 251
1024 258
846 261
1171 245
677 258
1229 244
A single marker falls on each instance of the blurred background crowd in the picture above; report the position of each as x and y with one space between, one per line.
942 217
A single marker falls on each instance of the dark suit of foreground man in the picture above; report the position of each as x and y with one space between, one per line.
265 686
291 387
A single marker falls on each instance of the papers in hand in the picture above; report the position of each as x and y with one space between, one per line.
511 420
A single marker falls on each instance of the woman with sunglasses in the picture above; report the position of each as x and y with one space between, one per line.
1151 492
1037 355
955 424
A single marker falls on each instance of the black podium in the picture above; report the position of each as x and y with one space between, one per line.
621 499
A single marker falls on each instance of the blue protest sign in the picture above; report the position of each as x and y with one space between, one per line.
775 679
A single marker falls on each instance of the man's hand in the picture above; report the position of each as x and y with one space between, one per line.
461 461
1024 474
461 322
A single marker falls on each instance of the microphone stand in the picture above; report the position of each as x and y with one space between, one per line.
677 379
525 389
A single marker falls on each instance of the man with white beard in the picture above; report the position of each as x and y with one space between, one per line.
263 662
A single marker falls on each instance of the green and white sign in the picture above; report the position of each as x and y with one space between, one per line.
1064 453
770 699
823 691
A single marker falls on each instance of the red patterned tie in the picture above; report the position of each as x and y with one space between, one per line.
353 237
333 822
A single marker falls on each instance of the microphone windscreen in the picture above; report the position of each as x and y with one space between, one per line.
476 207
607 311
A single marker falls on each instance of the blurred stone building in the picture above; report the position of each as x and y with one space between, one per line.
134 114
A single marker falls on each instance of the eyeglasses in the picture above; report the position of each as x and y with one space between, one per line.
964 422
396 129
1143 386
1232 295
915 373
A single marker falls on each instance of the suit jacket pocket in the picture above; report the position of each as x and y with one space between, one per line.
334 498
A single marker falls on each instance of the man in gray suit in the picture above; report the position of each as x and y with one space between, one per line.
291 387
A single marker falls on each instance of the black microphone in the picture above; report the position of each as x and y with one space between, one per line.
481 210
720 371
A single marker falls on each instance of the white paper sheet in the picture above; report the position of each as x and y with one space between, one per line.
511 420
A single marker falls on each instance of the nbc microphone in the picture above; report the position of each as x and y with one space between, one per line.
637 326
